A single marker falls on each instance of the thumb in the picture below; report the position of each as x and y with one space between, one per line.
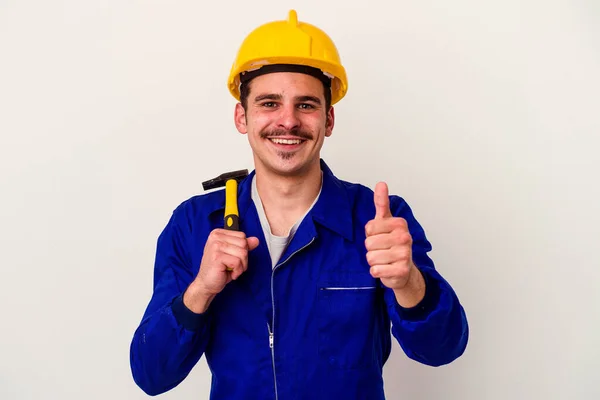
382 201
252 243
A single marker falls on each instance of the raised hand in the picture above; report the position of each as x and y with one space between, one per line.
225 259
388 243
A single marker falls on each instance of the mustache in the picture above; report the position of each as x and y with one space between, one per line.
300 134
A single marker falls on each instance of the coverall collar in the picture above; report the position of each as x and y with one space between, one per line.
332 210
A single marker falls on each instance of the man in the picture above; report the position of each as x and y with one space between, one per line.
299 303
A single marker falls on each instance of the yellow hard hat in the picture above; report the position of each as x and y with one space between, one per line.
289 43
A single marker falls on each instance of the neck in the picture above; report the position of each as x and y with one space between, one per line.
287 198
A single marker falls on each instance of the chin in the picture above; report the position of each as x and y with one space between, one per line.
289 167
286 170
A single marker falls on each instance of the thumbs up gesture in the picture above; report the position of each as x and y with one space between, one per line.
389 244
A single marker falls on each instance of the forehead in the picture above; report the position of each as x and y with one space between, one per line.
287 84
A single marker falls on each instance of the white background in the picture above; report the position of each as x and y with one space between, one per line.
483 115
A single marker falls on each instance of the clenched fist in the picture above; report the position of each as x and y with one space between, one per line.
225 258
389 251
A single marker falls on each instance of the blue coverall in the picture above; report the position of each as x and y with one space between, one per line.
317 326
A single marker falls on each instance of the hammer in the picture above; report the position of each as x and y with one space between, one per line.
230 181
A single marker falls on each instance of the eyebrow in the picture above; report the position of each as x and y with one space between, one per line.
274 96
267 96
313 99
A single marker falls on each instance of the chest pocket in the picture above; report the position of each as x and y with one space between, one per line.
349 303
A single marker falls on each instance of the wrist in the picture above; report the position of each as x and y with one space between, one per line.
413 292
196 298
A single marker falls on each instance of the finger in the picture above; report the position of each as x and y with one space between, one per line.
235 237
382 201
234 240
385 225
388 271
378 227
227 232
380 241
232 264
384 240
252 243
388 256
236 273
239 239
240 253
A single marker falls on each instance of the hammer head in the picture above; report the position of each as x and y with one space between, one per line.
220 180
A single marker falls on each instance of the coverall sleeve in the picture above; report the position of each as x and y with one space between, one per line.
170 338
434 332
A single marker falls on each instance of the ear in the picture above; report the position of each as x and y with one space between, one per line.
330 122
240 119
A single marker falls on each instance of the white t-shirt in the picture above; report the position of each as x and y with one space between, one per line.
276 244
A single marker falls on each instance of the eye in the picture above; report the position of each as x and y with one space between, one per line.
268 104
306 106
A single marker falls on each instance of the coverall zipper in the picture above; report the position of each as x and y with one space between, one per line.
272 326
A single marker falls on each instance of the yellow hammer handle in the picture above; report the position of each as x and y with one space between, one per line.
232 218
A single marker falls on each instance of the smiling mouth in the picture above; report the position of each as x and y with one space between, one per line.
286 141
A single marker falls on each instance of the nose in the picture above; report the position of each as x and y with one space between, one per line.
288 117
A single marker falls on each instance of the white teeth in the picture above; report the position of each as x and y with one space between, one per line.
286 141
